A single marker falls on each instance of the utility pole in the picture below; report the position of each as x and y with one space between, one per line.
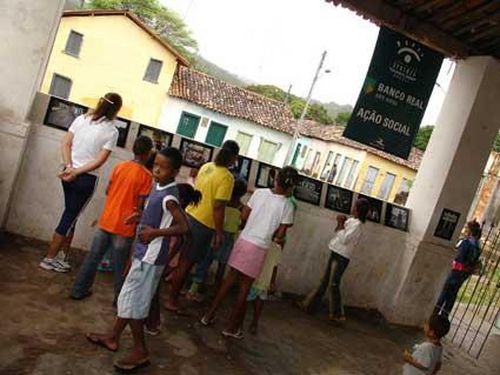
304 111
288 94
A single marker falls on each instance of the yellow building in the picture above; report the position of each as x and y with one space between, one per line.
98 51
322 152
387 178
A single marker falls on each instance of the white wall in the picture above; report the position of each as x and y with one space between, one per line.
32 26
174 107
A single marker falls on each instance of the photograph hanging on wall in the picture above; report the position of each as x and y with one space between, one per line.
243 167
397 217
161 139
447 224
266 175
195 154
375 212
339 199
308 190
61 113
123 126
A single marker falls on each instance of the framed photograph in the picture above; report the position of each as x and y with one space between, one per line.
339 199
161 139
123 127
195 154
243 167
447 224
266 175
375 211
397 217
61 113
308 190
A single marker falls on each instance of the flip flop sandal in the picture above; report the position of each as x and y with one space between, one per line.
97 341
127 368
238 335
205 322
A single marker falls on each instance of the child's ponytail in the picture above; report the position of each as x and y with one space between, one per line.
188 195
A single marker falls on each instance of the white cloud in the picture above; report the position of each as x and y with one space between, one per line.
280 42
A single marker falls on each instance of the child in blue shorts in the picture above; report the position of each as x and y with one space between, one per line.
162 218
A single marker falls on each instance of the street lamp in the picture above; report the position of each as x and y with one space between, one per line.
306 106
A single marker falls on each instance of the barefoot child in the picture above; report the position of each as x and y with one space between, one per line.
265 283
162 218
428 356
129 186
268 213
187 196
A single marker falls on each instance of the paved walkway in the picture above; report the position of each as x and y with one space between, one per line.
42 333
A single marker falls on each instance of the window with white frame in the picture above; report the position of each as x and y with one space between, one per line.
349 182
244 140
370 177
335 168
328 166
346 166
267 151
386 188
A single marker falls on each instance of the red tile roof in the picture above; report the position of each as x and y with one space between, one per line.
222 97
332 133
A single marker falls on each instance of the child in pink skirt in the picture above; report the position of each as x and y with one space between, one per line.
268 212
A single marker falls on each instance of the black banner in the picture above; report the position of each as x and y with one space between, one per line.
395 93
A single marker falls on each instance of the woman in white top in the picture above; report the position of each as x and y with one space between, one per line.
85 147
347 235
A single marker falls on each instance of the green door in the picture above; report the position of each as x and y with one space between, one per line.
188 125
216 134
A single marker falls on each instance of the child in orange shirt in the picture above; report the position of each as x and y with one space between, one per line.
128 188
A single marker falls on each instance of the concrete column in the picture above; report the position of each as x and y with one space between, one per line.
448 178
28 29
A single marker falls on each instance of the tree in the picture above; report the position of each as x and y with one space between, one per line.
316 111
343 118
496 145
422 139
165 22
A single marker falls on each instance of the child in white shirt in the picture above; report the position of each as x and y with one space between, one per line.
428 356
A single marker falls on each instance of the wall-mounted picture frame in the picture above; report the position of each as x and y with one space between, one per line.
447 224
61 113
339 199
397 217
266 175
243 167
308 190
375 212
161 139
195 154
123 127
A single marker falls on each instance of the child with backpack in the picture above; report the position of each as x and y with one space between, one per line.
464 265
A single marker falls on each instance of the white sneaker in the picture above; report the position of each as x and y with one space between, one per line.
51 264
60 258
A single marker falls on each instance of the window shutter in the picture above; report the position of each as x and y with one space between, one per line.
74 43
153 70
60 86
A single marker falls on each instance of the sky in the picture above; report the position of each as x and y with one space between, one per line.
280 42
